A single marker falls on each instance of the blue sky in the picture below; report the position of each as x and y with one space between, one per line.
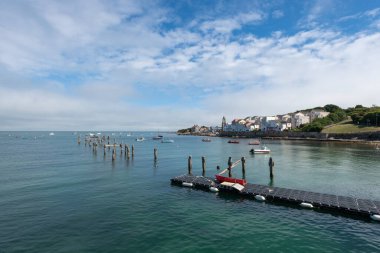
148 65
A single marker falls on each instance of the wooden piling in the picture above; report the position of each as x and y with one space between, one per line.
133 150
189 165
229 166
271 164
127 151
243 166
104 149
155 154
78 140
203 165
113 155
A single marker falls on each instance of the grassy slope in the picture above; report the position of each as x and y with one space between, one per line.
346 127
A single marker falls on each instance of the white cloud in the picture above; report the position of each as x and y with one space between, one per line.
230 24
277 14
123 53
373 13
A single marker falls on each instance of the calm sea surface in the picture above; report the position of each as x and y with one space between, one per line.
57 196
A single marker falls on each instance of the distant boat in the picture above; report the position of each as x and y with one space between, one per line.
158 137
206 140
167 141
51 134
233 141
140 139
263 150
129 134
254 142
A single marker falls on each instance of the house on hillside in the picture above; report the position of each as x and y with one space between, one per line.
318 114
237 125
270 123
299 119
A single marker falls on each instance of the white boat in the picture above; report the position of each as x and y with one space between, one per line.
263 150
140 139
51 134
129 134
167 141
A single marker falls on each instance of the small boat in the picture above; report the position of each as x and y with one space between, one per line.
206 140
254 142
167 141
222 179
140 139
233 141
51 134
129 134
158 137
263 150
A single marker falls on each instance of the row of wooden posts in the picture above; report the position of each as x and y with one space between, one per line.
126 150
189 165
230 166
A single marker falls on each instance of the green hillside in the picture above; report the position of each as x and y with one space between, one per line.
349 128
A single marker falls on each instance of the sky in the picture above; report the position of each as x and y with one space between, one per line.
166 65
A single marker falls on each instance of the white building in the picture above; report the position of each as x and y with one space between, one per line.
235 128
270 123
317 114
300 119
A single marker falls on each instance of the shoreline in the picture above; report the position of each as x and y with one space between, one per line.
268 137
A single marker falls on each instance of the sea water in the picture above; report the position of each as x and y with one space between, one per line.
58 196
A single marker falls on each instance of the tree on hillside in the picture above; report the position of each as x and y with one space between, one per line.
332 108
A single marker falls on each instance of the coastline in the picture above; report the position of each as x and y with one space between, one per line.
370 138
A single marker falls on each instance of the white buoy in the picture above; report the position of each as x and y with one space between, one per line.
375 217
213 189
260 198
187 184
306 205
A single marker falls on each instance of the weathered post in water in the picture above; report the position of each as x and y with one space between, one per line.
189 165
104 149
127 151
133 150
78 140
243 166
271 164
229 167
155 154
203 166
113 155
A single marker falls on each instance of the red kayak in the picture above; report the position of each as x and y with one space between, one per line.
222 179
